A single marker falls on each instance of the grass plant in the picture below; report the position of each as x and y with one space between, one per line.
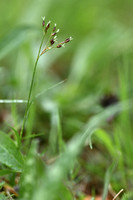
66 123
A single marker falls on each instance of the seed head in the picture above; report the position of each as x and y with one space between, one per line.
53 37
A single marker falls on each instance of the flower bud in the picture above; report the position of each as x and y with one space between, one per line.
52 41
59 46
43 21
47 26
53 34
54 28
68 40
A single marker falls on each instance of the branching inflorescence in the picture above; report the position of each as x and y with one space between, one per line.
53 37
50 44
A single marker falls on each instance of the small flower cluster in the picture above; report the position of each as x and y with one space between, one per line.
53 37
62 44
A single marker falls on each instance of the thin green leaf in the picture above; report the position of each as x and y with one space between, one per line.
32 173
17 137
107 180
106 139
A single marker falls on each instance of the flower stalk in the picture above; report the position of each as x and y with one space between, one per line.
49 45
31 87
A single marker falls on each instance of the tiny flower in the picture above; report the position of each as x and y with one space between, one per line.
47 26
68 40
43 21
54 28
53 34
57 30
59 46
43 18
53 38
52 41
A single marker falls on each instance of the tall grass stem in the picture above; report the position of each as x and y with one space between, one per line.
31 87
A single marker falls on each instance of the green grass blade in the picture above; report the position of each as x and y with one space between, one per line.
107 180
32 173
56 143
17 137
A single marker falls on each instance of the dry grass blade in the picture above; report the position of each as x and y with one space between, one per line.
118 194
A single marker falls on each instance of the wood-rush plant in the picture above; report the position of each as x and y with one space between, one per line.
50 44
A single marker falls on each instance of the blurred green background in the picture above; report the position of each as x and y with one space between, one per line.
102 32
98 62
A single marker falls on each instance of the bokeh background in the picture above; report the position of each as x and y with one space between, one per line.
95 69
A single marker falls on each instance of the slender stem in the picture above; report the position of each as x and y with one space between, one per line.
31 87
118 194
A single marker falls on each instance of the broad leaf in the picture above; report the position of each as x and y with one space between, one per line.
9 153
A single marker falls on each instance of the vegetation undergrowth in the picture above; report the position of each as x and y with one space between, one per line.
88 136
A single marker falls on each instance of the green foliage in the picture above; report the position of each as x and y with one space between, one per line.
52 178
56 143
13 40
1 184
128 196
65 109
32 173
3 197
108 175
9 154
